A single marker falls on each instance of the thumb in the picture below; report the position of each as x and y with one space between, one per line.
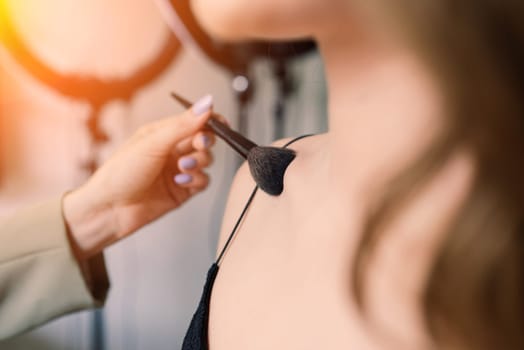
172 130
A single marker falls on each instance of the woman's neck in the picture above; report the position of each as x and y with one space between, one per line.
384 108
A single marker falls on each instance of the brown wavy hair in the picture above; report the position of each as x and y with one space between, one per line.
474 294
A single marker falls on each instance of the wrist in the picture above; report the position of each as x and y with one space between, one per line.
91 224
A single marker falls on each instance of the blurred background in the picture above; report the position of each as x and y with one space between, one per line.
77 77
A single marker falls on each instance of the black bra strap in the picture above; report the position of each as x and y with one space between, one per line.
246 207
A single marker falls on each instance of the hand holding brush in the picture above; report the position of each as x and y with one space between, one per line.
266 164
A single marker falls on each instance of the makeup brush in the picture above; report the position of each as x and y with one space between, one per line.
266 164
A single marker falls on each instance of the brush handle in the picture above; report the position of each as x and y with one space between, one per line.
238 142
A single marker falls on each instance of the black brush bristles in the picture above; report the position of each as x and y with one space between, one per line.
267 164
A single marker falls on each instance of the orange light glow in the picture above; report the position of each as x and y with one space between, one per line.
8 33
3 20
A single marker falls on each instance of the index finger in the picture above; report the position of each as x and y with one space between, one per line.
169 131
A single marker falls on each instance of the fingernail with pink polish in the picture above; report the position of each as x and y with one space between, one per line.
206 141
202 106
183 179
188 162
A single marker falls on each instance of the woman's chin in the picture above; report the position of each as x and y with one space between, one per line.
235 20
219 22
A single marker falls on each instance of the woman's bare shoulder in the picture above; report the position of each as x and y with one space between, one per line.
241 188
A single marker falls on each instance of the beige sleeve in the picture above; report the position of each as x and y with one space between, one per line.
40 279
